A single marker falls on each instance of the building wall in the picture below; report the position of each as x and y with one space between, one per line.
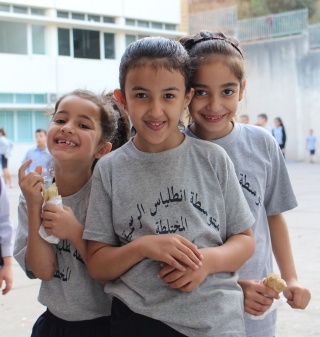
54 74
283 80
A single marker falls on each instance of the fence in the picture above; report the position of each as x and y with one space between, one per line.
275 25
314 36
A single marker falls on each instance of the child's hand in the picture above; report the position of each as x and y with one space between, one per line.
30 184
61 223
6 275
172 249
298 296
255 301
185 281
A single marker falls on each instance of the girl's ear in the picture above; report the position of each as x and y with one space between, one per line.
120 98
188 98
243 86
104 148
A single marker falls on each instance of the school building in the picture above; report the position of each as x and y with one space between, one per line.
51 47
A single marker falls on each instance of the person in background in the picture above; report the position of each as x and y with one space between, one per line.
39 154
311 145
5 152
219 83
6 229
279 133
244 119
263 122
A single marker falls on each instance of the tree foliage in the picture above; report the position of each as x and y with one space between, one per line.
278 6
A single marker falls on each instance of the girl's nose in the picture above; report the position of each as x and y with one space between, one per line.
214 104
155 109
67 128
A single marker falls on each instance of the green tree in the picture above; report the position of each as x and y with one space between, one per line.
278 6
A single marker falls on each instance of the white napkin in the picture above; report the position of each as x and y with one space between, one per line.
51 238
275 305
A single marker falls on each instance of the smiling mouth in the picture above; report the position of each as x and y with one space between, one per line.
214 119
66 142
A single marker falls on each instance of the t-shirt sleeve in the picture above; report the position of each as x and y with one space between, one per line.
99 221
279 196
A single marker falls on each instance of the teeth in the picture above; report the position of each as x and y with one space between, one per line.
66 142
155 124
213 118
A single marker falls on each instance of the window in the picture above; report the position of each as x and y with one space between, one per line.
4 8
130 39
6 98
77 16
169 26
23 98
37 11
24 126
13 37
130 22
64 42
41 120
108 19
86 44
64 15
144 24
95 18
6 121
109 46
156 25
38 39
39 98
20 10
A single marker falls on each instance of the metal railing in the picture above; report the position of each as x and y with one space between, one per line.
224 19
314 36
274 25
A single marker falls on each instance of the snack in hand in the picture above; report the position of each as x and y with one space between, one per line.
274 282
50 193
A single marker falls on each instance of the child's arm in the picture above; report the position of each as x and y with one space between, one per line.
63 224
6 274
107 262
40 256
297 295
228 257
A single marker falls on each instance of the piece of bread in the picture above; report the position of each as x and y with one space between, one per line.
50 193
274 282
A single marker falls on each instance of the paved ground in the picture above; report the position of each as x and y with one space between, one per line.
19 309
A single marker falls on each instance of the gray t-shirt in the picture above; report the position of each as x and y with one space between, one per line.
190 190
263 176
71 294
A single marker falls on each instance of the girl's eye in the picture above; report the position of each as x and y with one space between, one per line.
168 96
228 92
200 93
83 126
59 121
141 95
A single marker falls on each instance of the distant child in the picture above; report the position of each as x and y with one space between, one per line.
80 133
263 122
279 133
244 119
219 83
311 145
164 198
39 154
5 153
6 230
